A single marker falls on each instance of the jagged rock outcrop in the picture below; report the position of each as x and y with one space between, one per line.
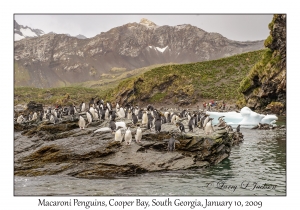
265 86
57 60
43 148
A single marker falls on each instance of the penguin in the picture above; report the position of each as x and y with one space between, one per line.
168 118
20 119
102 114
208 127
112 115
140 114
145 119
129 114
34 116
59 114
173 119
107 114
128 137
150 121
82 107
55 113
138 135
71 111
221 123
163 119
180 127
97 114
136 110
45 115
91 104
182 114
121 113
108 104
205 121
191 124
89 117
75 110
189 116
81 122
158 124
53 119
92 111
118 135
40 116
171 144
134 119
238 128
150 108
112 125
117 106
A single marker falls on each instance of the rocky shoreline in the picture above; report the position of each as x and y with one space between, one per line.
43 148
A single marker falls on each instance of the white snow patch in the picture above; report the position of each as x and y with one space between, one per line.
27 32
18 37
161 49
150 47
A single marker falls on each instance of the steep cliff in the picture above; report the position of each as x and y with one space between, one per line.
54 60
265 86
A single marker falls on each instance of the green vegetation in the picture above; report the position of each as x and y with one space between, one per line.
157 97
217 79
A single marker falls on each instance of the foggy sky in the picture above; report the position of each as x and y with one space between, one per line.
240 27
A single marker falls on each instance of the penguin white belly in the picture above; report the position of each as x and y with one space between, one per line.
34 117
128 137
166 114
136 112
96 115
92 110
122 113
52 119
145 119
205 122
89 117
118 135
129 116
106 114
81 122
83 107
208 128
138 135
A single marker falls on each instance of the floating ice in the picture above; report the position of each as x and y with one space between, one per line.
246 117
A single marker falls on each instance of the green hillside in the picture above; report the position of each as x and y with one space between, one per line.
216 79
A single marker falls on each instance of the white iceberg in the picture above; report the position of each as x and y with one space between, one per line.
245 118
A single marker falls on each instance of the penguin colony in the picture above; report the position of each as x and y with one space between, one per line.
147 118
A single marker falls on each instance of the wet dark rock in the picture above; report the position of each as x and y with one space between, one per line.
65 149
